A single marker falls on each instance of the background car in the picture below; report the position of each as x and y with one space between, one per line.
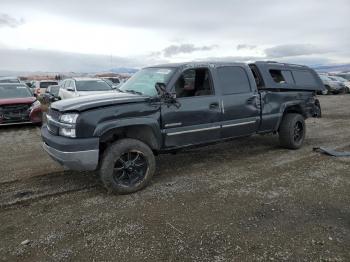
51 94
9 79
342 80
18 105
40 86
332 86
76 87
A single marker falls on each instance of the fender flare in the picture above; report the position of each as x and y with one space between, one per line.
283 108
117 124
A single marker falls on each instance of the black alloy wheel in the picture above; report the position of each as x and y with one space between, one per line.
130 168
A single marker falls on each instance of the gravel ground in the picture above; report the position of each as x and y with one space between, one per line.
245 200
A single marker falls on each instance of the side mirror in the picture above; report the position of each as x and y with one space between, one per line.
70 89
165 95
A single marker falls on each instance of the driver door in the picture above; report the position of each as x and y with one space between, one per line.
195 119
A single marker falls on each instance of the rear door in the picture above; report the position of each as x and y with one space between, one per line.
240 102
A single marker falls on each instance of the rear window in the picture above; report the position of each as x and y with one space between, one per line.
304 78
233 80
282 76
47 84
92 85
14 91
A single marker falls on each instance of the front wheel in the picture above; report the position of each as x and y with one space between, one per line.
127 166
292 131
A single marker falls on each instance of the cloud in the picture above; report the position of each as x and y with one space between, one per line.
8 21
185 49
293 50
246 47
53 61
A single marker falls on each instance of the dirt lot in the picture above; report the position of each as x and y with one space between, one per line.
245 200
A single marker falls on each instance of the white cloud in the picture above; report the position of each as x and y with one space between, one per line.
145 31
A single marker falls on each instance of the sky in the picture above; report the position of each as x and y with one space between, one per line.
87 36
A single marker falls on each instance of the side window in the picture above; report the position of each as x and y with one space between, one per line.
194 82
282 76
233 80
304 78
64 84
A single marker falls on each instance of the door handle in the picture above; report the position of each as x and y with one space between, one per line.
214 105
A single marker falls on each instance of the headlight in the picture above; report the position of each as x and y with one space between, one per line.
69 118
68 121
68 132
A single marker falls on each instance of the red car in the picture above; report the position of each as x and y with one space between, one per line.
18 105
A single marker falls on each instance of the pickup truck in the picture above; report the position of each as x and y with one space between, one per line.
169 107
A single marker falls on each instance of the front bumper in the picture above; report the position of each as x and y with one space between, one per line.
74 154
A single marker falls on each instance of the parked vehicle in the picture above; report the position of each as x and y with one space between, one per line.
75 87
170 107
9 79
332 86
40 86
51 94
18 105
342 80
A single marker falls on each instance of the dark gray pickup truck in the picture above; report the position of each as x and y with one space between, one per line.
170 107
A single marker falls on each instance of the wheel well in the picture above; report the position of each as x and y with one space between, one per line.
143 133
294 109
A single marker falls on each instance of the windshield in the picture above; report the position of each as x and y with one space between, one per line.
54 90
144 81
14 91
323 77
93 85
345 76
336 78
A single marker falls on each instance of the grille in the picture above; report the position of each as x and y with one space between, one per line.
14 113
55 115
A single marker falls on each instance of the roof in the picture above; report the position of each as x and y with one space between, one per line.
198 64
273 63
84 78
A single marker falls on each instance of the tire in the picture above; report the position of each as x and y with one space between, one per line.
318 111
328 90
292 131
127 166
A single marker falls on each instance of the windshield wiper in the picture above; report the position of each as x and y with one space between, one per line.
133 92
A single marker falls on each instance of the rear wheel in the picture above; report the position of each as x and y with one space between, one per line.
318 111
127 166
292 131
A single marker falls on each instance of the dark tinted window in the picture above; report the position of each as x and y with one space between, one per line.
233 80
304 78
194 82
46 84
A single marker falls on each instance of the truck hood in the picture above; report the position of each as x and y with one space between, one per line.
15 101
92 101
